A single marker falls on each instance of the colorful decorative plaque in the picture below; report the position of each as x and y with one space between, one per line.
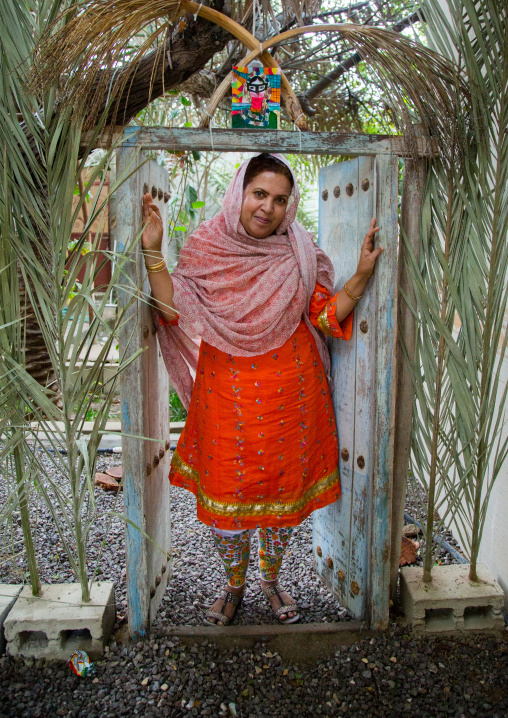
256 97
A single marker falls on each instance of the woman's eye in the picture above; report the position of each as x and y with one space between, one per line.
281 200
258 193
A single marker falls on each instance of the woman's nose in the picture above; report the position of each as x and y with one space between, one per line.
268 205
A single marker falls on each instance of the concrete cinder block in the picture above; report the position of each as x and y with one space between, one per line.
450 602
8 594
57 622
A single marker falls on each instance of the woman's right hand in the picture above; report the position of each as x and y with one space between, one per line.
152 225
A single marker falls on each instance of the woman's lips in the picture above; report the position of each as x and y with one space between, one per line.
262 220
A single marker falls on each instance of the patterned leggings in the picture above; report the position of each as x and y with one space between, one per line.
234 550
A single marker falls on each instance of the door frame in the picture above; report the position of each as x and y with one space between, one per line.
145 463
415 156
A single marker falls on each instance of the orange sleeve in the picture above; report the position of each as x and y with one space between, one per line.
322 310
171 323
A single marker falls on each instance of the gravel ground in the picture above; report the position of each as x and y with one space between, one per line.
197 571
392 675
416 508
198 574
106 548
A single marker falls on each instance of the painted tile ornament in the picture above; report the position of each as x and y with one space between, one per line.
256 97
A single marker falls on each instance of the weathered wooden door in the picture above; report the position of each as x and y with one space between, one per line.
144 391
351 538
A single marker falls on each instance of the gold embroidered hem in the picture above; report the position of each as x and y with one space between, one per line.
234 508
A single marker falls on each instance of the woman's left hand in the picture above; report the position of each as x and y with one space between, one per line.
368 254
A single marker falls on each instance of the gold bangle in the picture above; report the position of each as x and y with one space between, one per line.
158 267
154 271
352 296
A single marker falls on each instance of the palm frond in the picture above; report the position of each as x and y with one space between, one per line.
89 52
40 162
419 85
96 37
461 282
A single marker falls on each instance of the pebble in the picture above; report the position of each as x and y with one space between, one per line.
427 676
197 573
335 686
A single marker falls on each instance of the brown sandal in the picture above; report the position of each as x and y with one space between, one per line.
275 590
227 597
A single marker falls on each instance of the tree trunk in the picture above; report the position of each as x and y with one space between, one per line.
162 70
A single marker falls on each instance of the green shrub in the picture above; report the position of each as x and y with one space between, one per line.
177 410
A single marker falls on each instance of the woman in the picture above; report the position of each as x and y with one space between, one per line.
241 324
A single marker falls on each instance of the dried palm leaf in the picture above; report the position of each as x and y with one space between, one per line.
420 84
89 49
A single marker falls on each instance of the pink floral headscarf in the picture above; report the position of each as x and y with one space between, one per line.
244 296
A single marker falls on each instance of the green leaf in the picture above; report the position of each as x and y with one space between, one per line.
185 101
181 229
198 204
191 194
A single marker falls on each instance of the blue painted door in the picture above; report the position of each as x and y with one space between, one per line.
351 538
144 389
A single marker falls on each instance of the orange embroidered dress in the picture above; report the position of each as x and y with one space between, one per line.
259 447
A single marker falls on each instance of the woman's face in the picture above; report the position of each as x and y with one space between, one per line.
265 201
